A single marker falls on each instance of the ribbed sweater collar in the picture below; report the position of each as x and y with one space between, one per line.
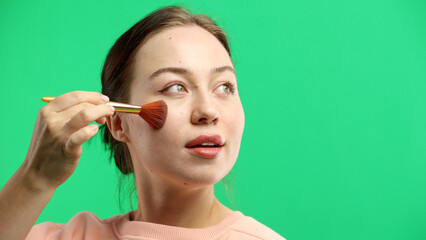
125 228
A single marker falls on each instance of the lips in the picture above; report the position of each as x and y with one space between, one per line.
205 139
206 146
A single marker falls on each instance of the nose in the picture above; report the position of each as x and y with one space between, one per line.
204 112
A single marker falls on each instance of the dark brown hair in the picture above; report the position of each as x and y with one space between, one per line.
118 68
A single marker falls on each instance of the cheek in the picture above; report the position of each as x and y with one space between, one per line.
139 132
239 124
236 119
172 131
234 124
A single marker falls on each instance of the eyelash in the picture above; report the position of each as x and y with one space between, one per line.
230 85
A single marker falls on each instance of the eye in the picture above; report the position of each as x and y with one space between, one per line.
223 88
227 87
174 88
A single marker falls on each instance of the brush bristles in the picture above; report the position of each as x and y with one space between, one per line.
154 113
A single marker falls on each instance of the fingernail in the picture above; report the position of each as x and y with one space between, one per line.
94 127
105 98
112 108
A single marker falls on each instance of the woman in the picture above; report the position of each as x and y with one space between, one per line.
173 56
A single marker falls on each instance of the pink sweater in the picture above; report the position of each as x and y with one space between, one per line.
86 225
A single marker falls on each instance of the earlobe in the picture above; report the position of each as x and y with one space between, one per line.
115 126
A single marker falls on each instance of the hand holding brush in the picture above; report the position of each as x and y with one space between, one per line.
62 127
153 113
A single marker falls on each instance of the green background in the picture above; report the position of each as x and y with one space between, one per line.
333 91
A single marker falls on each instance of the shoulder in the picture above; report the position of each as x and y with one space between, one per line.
253 229
82 225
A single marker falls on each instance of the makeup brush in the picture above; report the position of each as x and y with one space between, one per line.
153 113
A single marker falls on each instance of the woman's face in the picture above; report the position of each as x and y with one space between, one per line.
191 71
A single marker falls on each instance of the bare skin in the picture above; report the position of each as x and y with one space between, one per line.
55 149
174 186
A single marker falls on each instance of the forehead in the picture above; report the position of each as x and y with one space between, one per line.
191 47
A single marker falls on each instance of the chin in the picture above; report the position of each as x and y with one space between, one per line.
205 178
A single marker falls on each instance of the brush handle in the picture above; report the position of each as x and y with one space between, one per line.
119 107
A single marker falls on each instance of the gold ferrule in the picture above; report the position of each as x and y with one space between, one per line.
126 108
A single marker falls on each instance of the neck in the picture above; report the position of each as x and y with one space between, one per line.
189 207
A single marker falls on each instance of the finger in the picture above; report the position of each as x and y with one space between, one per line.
86 116
73 98
69 113
101 120
73 145
61 118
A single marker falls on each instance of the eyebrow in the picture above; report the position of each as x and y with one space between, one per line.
184 71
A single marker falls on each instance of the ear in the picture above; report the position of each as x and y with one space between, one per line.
115 126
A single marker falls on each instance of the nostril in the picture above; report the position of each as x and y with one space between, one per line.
202 120
205 118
